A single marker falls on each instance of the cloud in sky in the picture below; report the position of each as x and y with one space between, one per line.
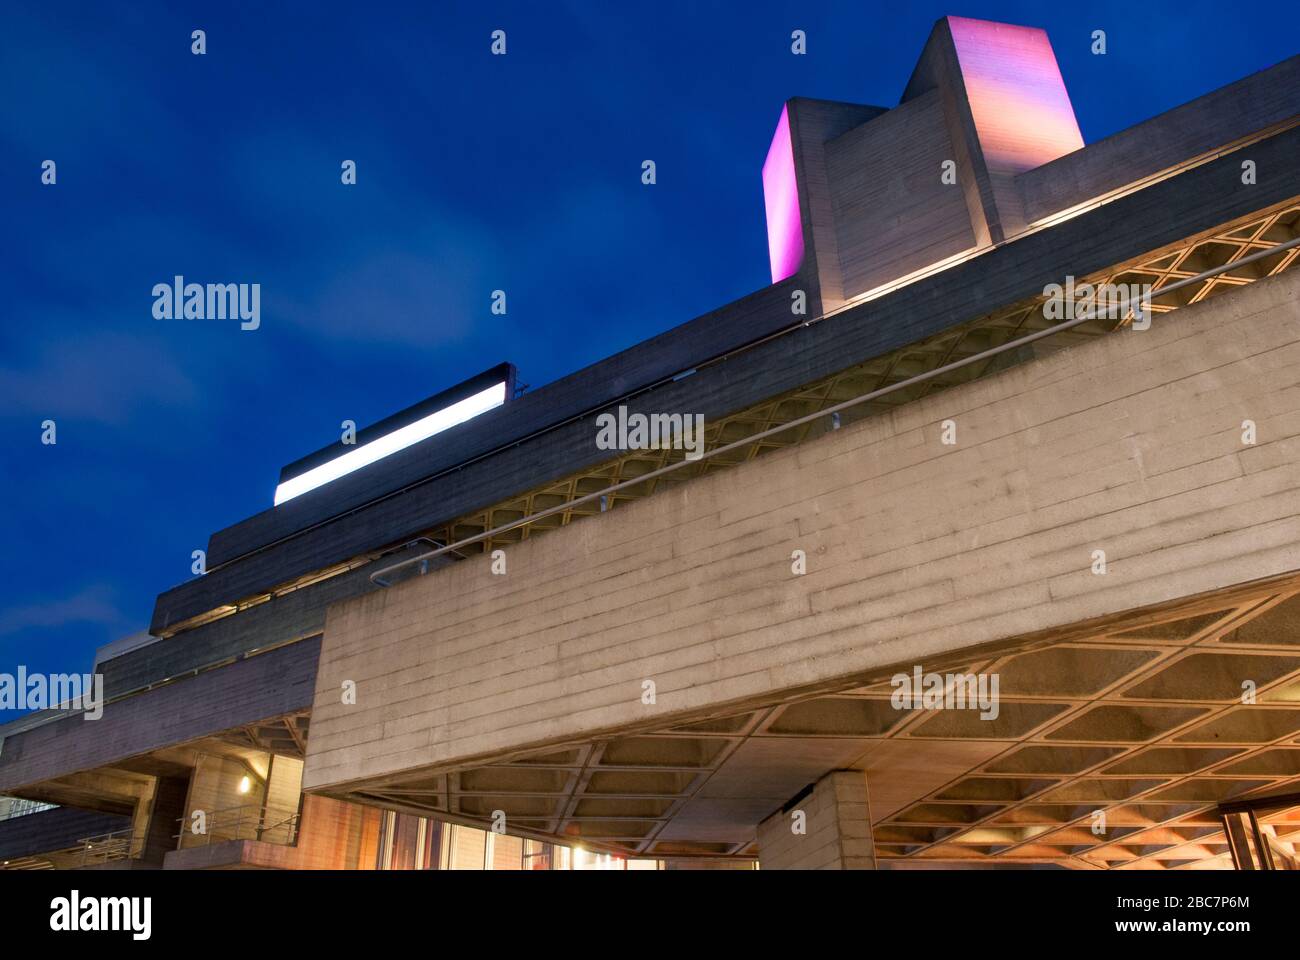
101 377
93 605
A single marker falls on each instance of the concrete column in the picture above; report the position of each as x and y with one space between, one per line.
834 832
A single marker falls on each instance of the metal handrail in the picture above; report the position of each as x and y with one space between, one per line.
118 845
247 822
378 577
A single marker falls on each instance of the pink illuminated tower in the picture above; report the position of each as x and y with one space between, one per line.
781 197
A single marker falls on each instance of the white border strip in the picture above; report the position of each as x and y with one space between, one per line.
390 443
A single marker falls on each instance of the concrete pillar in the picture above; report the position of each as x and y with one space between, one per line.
834 832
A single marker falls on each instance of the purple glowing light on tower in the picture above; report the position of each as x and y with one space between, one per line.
1017 98
781 197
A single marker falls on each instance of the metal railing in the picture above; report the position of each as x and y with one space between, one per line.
107 847
250 822
381 577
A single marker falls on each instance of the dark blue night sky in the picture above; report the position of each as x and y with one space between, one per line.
475 173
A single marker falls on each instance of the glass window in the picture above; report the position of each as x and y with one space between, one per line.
537 855
507 852
468 848
434 832
409 842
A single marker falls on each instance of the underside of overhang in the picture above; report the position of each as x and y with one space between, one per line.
1140 715
109 788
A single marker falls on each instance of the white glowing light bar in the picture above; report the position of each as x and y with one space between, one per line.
389 443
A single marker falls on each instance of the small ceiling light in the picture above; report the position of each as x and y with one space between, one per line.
245 785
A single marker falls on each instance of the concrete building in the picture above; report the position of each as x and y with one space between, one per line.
1070 525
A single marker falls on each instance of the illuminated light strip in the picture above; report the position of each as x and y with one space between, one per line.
390 443
1069 213
907 279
